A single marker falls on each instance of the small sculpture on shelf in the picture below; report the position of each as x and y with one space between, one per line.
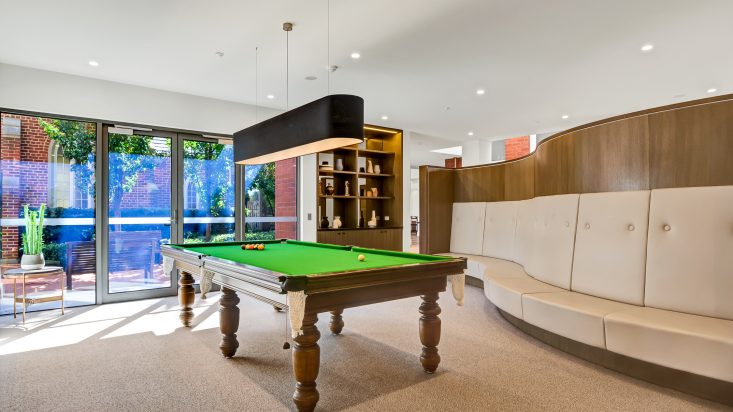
362 170
324 222
330 190
370 167
375 192
346 189
336 222
377 169
361 218
339 164
373 221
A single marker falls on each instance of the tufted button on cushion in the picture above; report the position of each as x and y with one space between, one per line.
667 228
567 224
609 261
587 225
631 228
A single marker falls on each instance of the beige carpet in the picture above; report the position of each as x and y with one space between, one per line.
134 356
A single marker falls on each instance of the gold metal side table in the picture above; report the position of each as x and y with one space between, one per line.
23 275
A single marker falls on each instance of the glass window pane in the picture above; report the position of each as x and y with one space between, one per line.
51 162
139 211
271 194
208 192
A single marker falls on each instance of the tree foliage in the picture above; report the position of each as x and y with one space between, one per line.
209 167
77 140
264 181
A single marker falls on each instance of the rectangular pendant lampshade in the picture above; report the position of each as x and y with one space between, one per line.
327 123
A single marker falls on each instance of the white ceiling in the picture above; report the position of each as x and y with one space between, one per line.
536 59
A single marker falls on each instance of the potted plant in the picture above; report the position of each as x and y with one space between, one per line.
33 239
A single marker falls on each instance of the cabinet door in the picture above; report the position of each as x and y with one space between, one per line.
329 236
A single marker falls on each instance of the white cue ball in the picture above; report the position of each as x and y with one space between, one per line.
361 258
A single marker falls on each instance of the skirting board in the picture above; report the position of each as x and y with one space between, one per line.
700 386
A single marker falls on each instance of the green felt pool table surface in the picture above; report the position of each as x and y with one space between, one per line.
296 258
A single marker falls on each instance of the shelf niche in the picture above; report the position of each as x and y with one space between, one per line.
383 147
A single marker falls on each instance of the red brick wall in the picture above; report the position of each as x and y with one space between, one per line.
25 175
453 163
286 192
516 147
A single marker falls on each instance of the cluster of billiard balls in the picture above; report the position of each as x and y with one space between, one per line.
249 246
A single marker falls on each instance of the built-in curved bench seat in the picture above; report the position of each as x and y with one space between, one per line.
643 274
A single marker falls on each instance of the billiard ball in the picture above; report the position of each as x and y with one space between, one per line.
362 258
261 247
244 247
249 247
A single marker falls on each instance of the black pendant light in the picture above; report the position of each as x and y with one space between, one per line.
328 123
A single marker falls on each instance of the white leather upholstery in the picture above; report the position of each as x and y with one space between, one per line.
474 267
697 344
610 245
483 266
574 315
551 257
499 228
690 252
506 293
467 234
523 234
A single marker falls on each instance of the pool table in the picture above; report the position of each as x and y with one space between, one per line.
308 278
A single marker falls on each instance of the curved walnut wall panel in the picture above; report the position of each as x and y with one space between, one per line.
681 145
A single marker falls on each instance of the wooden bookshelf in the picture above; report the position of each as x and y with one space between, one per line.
383 147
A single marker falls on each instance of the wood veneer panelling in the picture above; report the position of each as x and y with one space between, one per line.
480 184
692 146
519 179
605 158
436 209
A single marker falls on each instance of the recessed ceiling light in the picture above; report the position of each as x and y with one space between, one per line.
480 92
647 47
93 63
470 133
385 117
270 96
355 55
311 77
565 116
712 90
220 53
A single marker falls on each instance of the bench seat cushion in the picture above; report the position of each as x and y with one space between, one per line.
506 293
482 267
574 315
697 344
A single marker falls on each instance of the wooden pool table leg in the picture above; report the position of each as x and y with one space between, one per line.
337 321
306 361
228 321
186 298
430 332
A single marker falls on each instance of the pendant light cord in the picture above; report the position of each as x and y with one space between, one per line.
287 70
328 45
257 83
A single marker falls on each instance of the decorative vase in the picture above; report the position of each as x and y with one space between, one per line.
377 169
337 222
375 192
370 167
324 222
361 218
330 190
346 189
373 220
30 262
340 164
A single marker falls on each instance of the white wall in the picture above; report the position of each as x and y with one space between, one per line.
307 193
476 152
23 88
